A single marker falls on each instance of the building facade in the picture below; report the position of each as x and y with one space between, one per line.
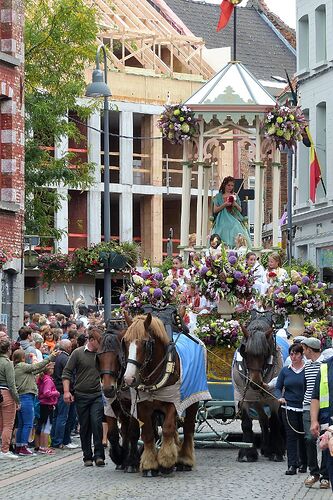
314 221
160 60
12 162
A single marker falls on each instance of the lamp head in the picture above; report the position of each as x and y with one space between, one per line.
98 87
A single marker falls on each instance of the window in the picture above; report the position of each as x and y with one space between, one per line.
321 143
320 20
303 43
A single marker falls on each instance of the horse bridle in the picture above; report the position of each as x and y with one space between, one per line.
149 349
113 373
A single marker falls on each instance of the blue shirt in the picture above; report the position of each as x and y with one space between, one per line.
294 387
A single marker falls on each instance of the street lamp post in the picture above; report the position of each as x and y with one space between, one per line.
99 88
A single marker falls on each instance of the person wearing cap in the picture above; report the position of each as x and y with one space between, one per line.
311 347
38 340
321 410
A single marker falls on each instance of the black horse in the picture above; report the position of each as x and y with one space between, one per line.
257 362
110 363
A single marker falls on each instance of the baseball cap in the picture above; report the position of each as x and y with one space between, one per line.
37 338
312 342
299 339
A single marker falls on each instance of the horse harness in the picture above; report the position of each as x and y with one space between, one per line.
167 363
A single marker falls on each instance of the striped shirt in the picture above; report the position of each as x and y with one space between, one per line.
310 371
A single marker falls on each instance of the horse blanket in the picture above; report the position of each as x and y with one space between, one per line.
192 385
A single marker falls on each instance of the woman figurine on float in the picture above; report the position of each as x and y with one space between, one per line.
229 222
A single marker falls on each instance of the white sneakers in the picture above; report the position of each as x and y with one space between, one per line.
9 454
71 446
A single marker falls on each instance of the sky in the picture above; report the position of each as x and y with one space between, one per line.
285 9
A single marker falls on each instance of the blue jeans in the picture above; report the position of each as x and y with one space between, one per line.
62 422
25 419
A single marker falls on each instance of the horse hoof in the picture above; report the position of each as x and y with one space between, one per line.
183 468
131 469
166 471
120 467
150 473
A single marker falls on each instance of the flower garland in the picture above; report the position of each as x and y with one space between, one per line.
299 294
218 332
148 287
284 125
224 277
177 123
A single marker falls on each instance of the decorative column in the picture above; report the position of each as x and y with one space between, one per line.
126 177
200 184
61 215
276 166
186 199
94 218
205 215
258 190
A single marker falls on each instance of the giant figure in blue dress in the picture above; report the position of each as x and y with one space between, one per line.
229 222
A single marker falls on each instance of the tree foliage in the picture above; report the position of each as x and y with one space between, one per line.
60 42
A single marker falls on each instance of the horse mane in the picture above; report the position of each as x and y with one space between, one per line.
136 331
257 343
111 340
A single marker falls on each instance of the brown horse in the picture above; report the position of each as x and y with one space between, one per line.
110 363
153 367
257 362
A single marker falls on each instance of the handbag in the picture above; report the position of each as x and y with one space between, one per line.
1 397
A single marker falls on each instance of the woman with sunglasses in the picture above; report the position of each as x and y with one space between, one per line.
290 388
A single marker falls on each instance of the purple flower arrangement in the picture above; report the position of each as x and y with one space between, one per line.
224 277
299 294
148 287
284 125
177 123
219 332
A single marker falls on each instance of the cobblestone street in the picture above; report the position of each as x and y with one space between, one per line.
217 476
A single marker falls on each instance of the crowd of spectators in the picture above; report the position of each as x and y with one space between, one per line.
35 414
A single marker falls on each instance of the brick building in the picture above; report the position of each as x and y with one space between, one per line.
11 161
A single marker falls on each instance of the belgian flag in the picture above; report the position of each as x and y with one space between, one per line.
315 171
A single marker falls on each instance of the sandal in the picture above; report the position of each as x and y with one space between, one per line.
46 451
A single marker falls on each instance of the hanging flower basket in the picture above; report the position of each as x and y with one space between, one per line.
284 125
55 268
178 124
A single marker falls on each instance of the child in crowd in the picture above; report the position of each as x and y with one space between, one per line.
48 397
27 390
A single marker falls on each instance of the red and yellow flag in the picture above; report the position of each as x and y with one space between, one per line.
315 171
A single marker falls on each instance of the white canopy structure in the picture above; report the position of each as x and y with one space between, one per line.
236 100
